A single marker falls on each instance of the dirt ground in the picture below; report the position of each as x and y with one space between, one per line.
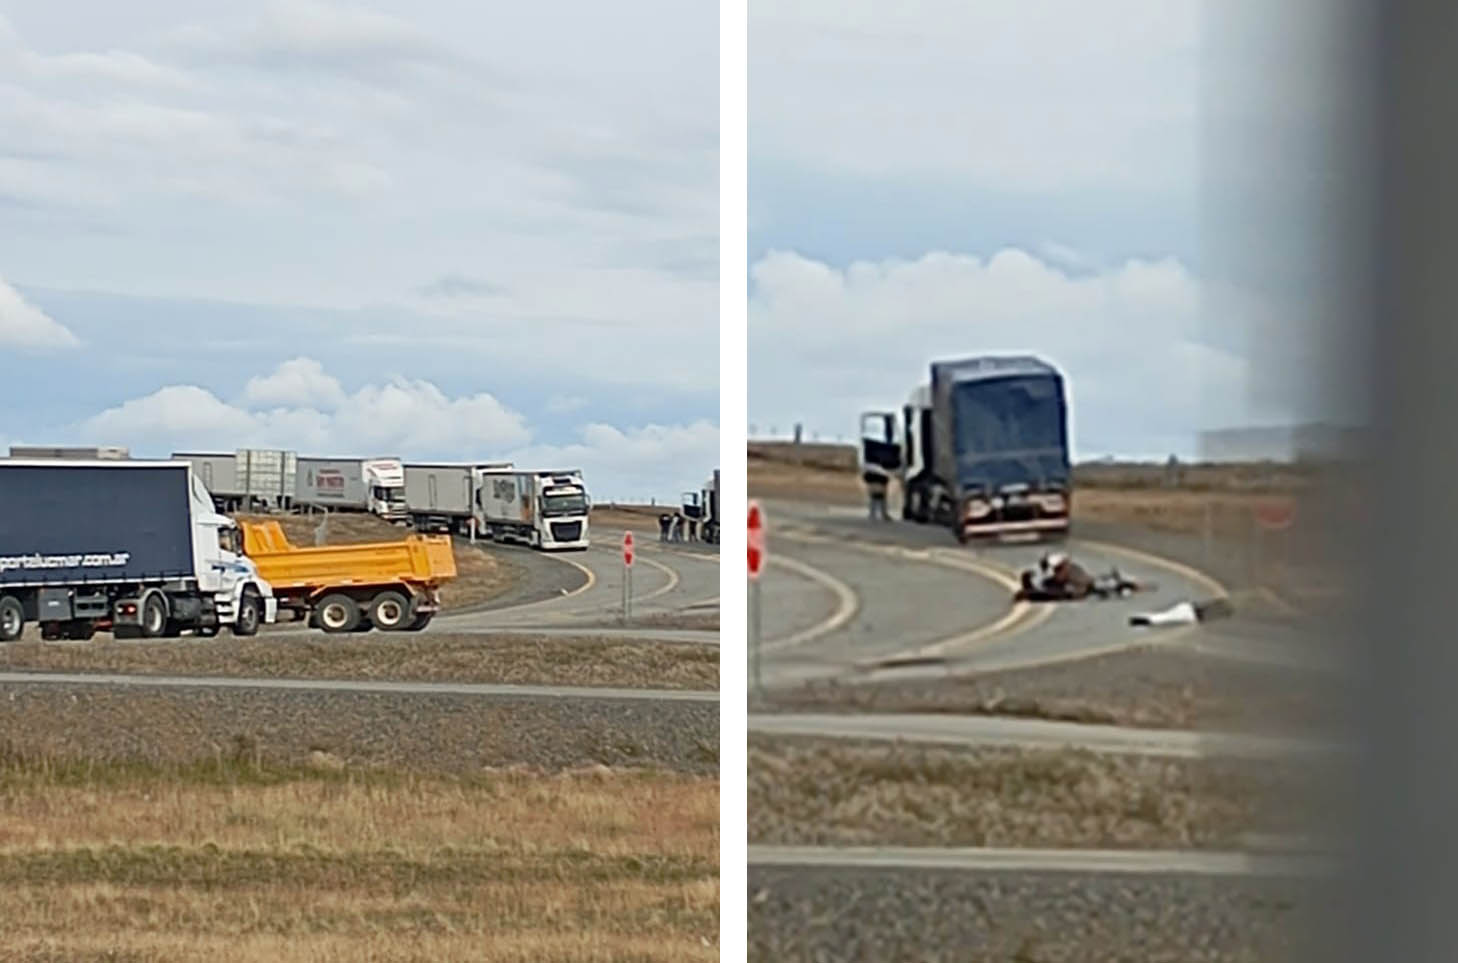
510 659
115 861
481 575
1205 496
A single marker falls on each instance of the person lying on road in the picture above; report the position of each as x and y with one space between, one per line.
1057 578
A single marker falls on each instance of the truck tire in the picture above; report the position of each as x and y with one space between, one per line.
390 611
12 618
250 614
420 621
338 613
153 618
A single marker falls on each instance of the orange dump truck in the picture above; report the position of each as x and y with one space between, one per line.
392 586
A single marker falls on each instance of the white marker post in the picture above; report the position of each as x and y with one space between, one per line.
756 565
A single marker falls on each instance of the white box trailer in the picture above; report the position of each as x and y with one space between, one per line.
247 478
374 485
543 509
441 496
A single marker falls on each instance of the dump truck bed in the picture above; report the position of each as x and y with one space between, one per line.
419 560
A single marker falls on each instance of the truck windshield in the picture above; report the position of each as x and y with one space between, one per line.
1008 416
571 503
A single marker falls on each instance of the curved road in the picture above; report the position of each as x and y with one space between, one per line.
915 597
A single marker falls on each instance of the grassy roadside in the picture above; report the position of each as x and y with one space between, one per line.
819 792
530 659
231 861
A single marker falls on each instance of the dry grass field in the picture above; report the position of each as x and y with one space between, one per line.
110 861
812 792
481 575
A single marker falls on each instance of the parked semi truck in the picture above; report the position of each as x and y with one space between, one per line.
134 547
391 586
543 509
247 479
982 448
375 485
702 507
441 497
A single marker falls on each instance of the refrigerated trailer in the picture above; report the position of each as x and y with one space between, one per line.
135 547
374 485
543 509
247 479
441 497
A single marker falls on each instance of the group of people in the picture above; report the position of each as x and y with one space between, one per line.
677 528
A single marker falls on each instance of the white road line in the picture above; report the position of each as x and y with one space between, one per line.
673 580
977 859
351 685
847 605
974 731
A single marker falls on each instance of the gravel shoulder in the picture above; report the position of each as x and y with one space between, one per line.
525 659
1154 688
434 734
929 917
814 792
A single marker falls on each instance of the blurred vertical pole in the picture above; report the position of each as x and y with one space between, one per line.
1405 872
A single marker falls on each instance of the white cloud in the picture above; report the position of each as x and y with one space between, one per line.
827 343
300 382
311 412
22 325
650 462
405 418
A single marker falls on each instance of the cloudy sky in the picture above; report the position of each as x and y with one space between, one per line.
429 229
939 178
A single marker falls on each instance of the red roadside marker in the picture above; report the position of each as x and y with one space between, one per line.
628 549
756 540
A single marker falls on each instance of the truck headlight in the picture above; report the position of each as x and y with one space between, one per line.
977 507
1053 502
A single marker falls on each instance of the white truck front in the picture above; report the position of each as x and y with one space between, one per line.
562 521
384 480
241 598
543 509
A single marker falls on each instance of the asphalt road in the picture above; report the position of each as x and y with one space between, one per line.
666 580
955 730
843 593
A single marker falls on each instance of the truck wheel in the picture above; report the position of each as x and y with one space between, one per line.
154 617
390 611
250 614
12 618
338 613
420 621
